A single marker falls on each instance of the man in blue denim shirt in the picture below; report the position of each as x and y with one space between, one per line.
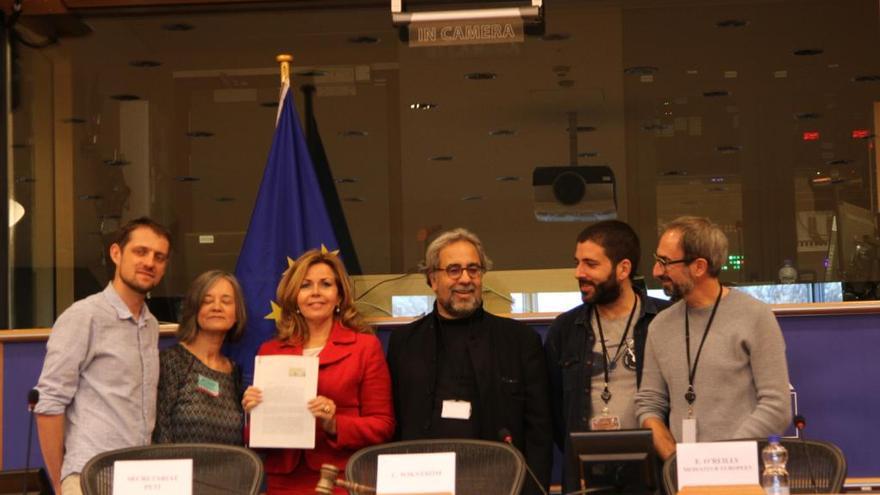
99 379
594 351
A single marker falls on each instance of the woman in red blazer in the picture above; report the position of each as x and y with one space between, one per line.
353 408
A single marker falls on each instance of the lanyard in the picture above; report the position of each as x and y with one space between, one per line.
606 361
691 396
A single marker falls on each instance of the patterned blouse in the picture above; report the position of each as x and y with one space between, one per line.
196 403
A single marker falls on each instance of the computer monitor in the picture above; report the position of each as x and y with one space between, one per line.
614 461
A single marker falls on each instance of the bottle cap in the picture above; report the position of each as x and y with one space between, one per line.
773 438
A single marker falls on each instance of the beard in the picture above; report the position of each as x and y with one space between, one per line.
462 309
676 290
141 288
604 292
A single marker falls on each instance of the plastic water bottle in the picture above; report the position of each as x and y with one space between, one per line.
775 477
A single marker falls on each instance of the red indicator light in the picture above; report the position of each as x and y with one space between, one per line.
811 136
860 133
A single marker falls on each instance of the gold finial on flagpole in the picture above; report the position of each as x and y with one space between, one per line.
284 59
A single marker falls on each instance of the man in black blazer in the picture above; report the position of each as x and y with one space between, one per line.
461 372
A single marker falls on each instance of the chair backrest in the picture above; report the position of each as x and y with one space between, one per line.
481 467
808 461
217 469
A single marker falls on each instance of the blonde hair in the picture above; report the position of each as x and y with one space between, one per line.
292 326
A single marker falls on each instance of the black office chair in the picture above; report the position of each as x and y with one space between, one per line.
217 469
808 461
481 467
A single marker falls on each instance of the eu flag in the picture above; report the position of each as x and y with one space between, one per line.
289 218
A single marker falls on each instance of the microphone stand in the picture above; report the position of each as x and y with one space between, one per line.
33 398
330 480
800 423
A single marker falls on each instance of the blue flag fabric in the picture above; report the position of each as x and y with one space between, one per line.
289 218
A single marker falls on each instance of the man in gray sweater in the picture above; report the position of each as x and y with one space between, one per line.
715 364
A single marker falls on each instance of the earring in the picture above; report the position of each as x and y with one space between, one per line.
337 309
298 311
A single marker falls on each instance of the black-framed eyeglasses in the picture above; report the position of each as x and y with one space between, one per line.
454 271
666 262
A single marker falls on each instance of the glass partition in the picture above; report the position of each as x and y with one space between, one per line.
759 114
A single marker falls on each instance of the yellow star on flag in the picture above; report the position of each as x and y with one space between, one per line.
275 314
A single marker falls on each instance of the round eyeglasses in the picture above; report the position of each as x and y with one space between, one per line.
455 271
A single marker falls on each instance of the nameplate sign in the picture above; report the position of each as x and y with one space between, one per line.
474 32
412 474
717 463
166 477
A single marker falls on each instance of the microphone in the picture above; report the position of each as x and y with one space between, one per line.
800 423
329 480
505 436
33 397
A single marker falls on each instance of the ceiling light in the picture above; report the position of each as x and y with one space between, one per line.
351 133
363 40
472 198
422 106
116 162
178 26
641 70
867 78
808 52
507 178
726 149
200 134
732 23
145 64
582 128
480 76
555 36
841 161
502 132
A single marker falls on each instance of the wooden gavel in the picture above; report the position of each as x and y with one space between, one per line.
330 480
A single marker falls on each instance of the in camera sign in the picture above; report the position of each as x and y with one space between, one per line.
475 32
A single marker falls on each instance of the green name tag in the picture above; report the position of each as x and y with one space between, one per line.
208 386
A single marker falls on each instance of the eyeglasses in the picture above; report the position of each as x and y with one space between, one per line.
666 262
455 271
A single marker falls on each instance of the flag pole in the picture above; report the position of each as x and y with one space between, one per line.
284 59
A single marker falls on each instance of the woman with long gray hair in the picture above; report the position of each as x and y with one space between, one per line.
200 389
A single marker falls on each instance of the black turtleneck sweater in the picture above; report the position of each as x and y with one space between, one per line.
455 376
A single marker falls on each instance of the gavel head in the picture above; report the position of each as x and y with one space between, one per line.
326 484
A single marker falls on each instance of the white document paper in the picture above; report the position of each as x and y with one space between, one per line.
283 420
168 477
411 474
717 463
